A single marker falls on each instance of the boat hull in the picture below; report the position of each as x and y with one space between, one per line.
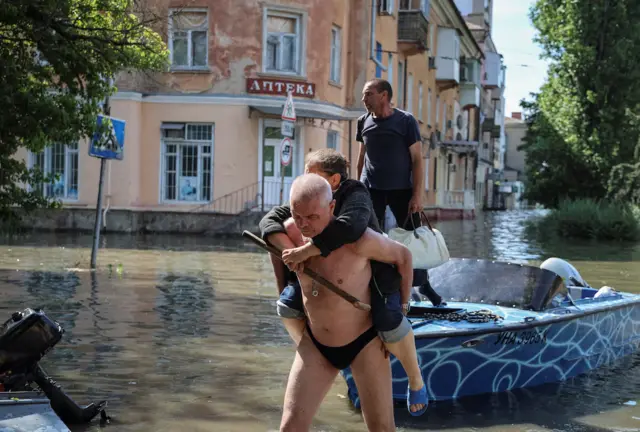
512 354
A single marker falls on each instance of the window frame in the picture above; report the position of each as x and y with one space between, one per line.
164 141
335 65
47 171
189 66
420 102
332 135
301 37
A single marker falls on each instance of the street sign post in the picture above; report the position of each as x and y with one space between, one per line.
107 143
286 151
108 140
286 147
289 111
287 128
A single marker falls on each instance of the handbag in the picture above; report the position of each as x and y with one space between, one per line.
426 244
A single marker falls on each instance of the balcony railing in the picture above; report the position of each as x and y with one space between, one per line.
413 29
456 199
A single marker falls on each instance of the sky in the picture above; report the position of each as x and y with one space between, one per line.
513 34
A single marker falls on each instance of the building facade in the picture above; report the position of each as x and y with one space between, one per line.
514 161
205 136
490 166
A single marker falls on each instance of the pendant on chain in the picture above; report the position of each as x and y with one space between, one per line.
314 289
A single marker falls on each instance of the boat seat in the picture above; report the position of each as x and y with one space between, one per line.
578 292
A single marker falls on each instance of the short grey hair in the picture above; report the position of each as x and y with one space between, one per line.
310 186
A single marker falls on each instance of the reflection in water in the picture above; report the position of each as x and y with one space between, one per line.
184 304
186 338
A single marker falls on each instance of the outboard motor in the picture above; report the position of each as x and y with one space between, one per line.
568 273
25 338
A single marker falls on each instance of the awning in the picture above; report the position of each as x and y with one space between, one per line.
305 113
460 146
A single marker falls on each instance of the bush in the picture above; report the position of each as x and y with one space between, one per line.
590 219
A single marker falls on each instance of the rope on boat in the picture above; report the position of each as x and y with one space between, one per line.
479 316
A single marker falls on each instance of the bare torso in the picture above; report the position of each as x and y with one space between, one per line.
334 321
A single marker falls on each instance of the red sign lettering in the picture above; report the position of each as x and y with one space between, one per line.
280 87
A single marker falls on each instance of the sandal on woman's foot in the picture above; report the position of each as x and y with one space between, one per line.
417 397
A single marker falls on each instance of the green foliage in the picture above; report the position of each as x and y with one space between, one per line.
56 58
624 182
582 123
590 219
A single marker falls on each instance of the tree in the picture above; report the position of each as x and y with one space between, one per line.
56 59
624 183
583 115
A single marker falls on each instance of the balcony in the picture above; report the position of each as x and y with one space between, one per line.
470 84
488 124
496 131
448 58
413 32
456 199
492 70
496 93
469 95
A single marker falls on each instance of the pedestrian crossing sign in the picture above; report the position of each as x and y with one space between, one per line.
289 111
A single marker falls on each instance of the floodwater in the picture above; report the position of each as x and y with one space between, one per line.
180 334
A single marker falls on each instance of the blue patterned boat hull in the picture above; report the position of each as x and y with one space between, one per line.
525 349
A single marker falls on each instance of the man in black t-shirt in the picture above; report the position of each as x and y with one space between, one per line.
390 164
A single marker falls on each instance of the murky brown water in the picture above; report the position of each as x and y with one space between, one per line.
185 338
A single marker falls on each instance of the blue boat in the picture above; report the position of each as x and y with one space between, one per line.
507 326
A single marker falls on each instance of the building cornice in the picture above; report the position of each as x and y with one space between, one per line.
237 100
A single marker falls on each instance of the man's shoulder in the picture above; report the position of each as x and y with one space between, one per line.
363 117
404 115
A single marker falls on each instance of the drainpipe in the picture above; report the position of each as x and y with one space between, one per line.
108 196
404 80
372 54
350 154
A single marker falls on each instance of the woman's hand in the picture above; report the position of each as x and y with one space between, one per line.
294 258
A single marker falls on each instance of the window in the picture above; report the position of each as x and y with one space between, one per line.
332 139
420 97
336 54
438 112
187 162
60 161
429 101
386 7
379 57
400 92
188 44
283 42
390 70
426 172
424 7
410 93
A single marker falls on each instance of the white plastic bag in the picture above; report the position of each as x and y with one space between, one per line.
427 245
